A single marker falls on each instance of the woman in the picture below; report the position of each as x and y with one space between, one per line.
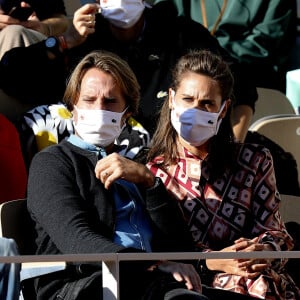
85 198
226 191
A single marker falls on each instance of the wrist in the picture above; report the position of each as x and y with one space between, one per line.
53 47
155 266
63 43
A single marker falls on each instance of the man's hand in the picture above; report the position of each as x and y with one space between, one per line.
115 166
183 273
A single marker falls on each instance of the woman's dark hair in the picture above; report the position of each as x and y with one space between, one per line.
222 147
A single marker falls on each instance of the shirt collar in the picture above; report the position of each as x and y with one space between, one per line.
77 141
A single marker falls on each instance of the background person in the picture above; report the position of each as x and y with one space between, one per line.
226 190
151 41
48 18
259 34
86 198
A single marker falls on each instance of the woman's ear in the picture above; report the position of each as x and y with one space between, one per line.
171 97
225 109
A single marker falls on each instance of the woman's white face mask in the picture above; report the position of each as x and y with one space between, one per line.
122 13
98 127
195 126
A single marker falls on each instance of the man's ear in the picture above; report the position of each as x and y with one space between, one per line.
225 109
126 116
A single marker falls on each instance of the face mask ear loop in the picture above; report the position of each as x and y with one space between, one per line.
123 113
222 107
220 119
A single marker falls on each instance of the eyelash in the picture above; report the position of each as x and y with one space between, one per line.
204 103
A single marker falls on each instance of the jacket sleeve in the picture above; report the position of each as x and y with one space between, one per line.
64 221
265 207
270 32
30 76
168 220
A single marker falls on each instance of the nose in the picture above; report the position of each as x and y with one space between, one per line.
100 103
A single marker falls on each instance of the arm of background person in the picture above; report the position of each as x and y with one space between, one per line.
51 26
52 16
258 41
241 120
48 72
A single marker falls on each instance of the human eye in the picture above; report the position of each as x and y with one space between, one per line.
187 99
110 100
86 98
207 105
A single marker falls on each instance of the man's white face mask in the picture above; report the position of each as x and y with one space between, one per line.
98 127
122 13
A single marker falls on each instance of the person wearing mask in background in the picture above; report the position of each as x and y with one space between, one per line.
150 39
19 30
258 34
47 17
226 190
86 198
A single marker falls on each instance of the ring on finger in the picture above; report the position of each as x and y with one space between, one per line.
91 19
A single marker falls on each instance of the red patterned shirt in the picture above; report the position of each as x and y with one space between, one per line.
243 203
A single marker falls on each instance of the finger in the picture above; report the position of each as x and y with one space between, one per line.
251 275
92 8
239 240
177 276
195 283
192 279
106 179
258 267
255 240
188 282
241 245
90 20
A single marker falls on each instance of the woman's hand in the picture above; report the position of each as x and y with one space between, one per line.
249 268
115 166
253 265
183 273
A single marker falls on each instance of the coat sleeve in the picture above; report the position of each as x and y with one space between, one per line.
64 221
27 74
168 220
268 224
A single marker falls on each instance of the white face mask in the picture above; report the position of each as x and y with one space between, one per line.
98 127
195 126
122 13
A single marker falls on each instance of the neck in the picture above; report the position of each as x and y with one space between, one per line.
128 34
199 151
